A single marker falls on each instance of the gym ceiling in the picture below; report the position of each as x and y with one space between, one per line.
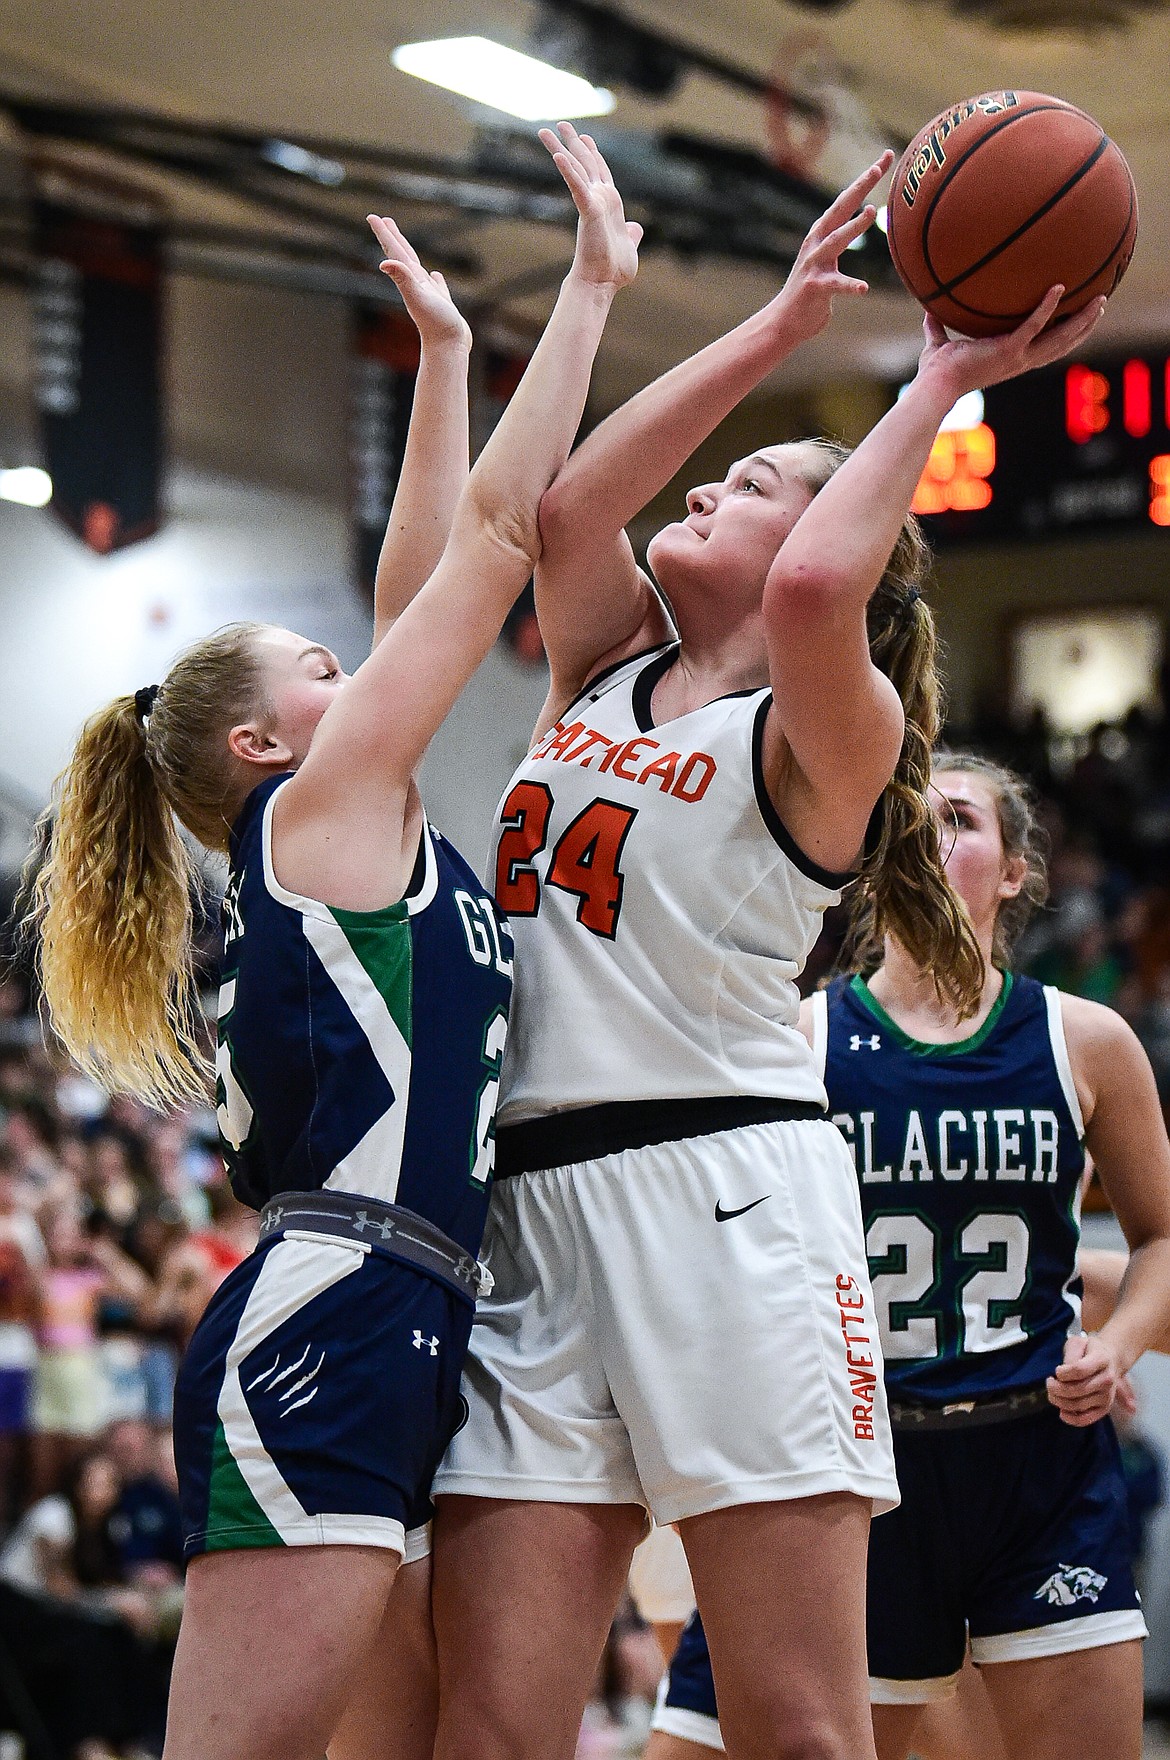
187 111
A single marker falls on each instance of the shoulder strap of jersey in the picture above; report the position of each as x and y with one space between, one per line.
819 1004
1060 1057
610 677
421 889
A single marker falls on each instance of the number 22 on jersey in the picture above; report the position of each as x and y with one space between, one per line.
905 1254
585 862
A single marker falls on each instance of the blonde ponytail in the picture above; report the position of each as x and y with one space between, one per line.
113 909
903 889
111 902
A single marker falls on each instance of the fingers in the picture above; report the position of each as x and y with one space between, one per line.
1042 316
828 248
1086 1408
585 149
601 169
1083 1366
392 240
1069 333
1082 1420
1075 1348
852 197
1085 1384
934 331
854 227
579 184
580 149
1074 1382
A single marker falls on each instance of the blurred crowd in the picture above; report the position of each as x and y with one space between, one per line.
116 1225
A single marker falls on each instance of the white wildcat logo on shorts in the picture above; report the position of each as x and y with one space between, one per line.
1069 1584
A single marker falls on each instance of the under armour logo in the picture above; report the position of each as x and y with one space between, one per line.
362 1221
421 1343
856 1042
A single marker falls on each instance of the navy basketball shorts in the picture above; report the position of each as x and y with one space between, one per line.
1013 1535
686 1694
316 1398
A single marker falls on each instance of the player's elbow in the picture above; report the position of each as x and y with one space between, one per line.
557 517
505 523
801 594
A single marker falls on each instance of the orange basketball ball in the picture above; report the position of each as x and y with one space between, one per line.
1002 196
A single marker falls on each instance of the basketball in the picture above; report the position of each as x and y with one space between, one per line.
1002 196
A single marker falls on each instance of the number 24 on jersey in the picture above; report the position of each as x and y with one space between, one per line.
585 862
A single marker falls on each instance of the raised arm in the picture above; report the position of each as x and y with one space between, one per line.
1126 1135
592 600
835 731
435 458
340 822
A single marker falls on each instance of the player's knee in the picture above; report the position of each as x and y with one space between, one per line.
784 1730
482 1730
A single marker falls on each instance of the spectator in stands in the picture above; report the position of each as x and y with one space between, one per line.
82 1639
145 1523
70 1399
22 1259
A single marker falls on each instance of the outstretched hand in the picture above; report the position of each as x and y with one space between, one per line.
805 302
973 363
425 296
607 243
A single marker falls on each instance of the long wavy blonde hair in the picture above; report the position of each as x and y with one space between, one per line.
902 889
111 902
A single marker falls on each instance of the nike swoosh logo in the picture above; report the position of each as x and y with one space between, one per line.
722 1215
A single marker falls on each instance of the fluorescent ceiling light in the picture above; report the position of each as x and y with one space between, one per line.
290 157
475 67
28 485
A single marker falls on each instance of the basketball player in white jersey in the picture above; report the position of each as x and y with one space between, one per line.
675 1236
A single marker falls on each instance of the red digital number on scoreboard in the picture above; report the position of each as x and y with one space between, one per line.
1091 405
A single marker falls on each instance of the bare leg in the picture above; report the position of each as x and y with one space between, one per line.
1081 1706
668 1633
269 1648
960 1728
524 1594
395 1707
895 1727
666 1747
781 1588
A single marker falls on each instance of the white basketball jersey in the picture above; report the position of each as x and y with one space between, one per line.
660 909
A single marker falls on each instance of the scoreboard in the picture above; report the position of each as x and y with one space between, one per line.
1072 449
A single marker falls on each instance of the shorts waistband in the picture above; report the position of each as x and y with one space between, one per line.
389 1229
970 1414
589 1132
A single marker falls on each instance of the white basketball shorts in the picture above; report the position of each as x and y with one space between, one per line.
687 1326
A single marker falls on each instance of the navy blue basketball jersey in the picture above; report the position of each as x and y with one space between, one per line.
360 1050
969 1159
